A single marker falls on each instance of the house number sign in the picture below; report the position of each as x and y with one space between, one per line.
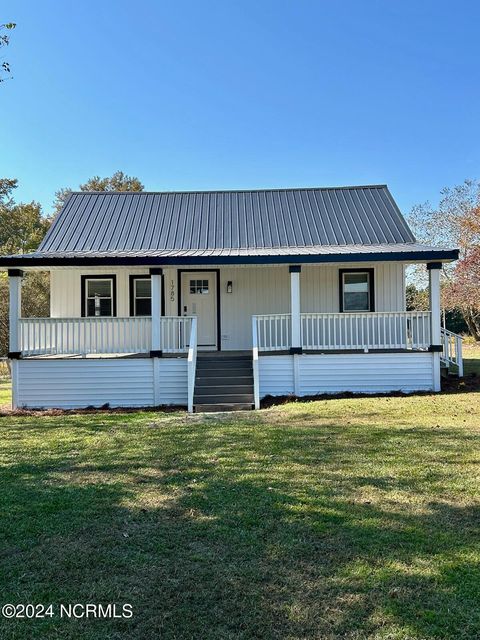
172 291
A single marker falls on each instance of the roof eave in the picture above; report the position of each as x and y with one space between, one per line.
442 255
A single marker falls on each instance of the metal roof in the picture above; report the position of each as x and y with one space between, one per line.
198 225
290 218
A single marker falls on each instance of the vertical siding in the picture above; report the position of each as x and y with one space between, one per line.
320 287
66 301
79 383
256 290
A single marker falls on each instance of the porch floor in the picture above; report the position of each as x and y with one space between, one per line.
210 354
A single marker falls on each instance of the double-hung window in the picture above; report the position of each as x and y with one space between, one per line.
140 296
357 290
98 296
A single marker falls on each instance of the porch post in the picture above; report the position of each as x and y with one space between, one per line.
15 313
296 346
434 269
156 280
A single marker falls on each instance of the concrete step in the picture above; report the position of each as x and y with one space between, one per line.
226 406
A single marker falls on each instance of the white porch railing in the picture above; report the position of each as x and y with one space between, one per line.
256 372
274 331
192 363
452 350
84 336
337 331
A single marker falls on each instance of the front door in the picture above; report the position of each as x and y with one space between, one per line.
199 298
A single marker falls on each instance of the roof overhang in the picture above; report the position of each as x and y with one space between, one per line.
413 255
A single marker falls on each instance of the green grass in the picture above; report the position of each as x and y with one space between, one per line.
353 518
471 359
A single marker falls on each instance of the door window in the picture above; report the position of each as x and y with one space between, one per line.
198 286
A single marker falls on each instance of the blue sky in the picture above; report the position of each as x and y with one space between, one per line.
242 94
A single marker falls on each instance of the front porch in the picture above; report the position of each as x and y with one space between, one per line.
311 345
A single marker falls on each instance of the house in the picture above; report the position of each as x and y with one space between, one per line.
217 299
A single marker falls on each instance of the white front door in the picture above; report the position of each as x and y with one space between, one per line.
199 298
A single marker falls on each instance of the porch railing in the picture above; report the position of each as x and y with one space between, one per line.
346 331
452 350
84 336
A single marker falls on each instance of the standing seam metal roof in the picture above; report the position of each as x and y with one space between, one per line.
166 223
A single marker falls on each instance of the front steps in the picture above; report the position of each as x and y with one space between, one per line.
223 381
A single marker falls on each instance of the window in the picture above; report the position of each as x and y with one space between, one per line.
199 286
140 296
98 296
356 290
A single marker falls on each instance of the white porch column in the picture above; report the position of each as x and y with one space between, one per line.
434 269
15 313
296 346
156 279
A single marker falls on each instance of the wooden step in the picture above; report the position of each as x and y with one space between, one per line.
222 388
224 398
220 381
223 364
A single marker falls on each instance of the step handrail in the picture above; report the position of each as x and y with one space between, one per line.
192 363
452 353
256 379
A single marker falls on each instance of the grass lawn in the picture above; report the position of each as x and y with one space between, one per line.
347 518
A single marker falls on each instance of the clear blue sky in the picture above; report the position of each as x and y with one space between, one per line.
265 93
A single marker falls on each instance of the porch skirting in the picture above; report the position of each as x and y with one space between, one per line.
80 383
312 374
145 382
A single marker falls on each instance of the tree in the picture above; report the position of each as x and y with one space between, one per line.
4 42
456 222
22 227
119 181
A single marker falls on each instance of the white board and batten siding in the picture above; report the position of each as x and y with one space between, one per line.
305 375
255 291
90 382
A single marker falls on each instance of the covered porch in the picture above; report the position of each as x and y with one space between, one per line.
277 308
219 306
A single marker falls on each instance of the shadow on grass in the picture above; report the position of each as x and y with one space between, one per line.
245 533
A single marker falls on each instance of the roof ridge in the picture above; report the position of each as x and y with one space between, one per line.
262 190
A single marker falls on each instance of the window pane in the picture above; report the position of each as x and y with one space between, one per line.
105 307
143 288
143 307
199 286
356 291
102 288
99 307
356 282
356 301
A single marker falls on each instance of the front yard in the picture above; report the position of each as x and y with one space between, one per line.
347 518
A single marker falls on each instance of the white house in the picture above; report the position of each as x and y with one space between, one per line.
220 298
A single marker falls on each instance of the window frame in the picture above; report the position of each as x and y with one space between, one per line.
84 292
132 279
371 289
